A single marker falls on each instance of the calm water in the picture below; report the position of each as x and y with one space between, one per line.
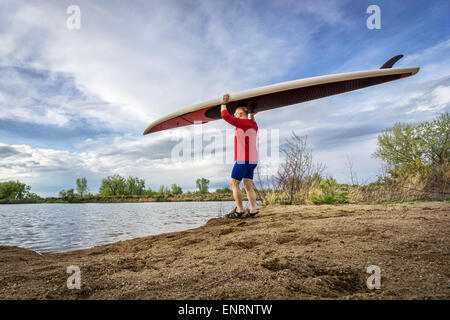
64 227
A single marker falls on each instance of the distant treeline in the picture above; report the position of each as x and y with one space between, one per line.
118 186
113 188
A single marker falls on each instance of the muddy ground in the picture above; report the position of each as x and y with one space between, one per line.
290 252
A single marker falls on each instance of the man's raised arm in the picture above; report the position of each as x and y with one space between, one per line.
240 123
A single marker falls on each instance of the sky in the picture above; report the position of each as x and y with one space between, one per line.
75 102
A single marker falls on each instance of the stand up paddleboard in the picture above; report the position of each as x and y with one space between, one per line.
284 94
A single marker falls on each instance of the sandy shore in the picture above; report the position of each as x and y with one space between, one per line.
290 252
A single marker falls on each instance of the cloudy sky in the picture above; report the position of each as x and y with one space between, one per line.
74 102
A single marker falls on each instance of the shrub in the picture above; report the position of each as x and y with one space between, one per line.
330 192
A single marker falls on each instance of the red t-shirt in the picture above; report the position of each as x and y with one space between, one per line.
244 138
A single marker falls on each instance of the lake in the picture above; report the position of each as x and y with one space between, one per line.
60 227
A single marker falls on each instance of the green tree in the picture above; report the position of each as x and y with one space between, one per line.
436 138
13 190
82 186
70 195
416 145
114 185
134 186
63 194
202 185
163 190
176 189
32 196
400 145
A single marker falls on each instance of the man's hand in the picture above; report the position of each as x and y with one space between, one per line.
226 98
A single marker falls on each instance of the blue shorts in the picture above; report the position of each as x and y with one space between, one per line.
243 170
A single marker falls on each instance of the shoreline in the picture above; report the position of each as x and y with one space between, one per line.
290 252
132 199
447 200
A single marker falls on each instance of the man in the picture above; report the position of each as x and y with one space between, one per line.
245 155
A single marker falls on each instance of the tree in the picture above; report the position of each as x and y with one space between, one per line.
63 194
70 194
32 196
81 186
117 185
89 195
400 145
414 146
113 186
134 186
202 185
176 189
163 190
436 138
416 158
13 190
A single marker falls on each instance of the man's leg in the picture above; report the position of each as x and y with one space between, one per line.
251 194
237 194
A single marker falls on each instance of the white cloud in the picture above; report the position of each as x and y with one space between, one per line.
441 96
132 65
147 65
440 48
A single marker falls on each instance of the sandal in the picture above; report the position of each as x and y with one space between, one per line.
252 214
235 215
